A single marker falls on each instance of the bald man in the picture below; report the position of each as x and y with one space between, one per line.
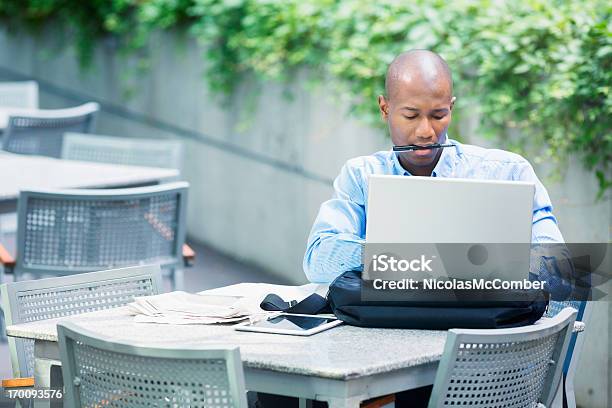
417 107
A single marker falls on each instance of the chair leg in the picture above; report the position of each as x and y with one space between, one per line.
3 337
178 279
56 382
55 376
569 394
557 402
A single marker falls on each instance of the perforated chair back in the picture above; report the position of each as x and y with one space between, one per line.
71 231
120 150
23 94
41 132
98 371
51 298
517 367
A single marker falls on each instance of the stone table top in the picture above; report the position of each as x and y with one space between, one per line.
22 172
344 352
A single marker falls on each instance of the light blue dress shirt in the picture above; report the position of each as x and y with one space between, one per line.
338 234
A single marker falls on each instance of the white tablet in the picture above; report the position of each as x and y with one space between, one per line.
293 324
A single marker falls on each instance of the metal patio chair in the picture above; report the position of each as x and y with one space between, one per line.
98 371
517 367
21 94
30 301
41 132
14 95
63 232
572 358
119 150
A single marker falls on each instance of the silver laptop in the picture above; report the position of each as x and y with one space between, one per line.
473 228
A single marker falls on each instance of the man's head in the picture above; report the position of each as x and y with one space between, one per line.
417 106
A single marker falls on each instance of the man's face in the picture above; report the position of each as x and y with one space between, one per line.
417 114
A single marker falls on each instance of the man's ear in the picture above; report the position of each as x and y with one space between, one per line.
384 107
453 99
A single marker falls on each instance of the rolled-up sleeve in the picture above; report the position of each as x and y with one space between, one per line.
336 240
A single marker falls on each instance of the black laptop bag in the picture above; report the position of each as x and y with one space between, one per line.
523 307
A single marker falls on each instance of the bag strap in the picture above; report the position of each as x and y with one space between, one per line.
312 305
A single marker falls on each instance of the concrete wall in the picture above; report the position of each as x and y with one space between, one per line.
260 165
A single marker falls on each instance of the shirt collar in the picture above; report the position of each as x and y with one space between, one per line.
444 167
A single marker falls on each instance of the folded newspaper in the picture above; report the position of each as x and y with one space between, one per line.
189 308
224 305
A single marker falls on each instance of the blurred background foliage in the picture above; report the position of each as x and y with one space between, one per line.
537 73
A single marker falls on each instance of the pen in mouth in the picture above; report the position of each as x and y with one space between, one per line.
410 147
